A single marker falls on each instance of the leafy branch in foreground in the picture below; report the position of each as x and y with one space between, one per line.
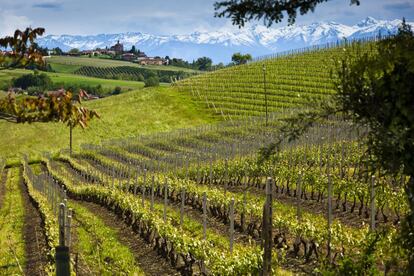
375 90
24 50
242 11
56 107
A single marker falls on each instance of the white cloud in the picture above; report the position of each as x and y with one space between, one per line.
9 22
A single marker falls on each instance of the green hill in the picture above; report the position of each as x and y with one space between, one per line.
133 113
292 81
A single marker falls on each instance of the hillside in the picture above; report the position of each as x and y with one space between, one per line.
77 62
292 81
129 114
67 78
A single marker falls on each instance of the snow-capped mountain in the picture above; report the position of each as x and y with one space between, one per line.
221 44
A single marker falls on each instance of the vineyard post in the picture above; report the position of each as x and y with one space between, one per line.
68 227
144 187
165 199
152 193
329 217
231 224
243 214
62 256
267 230
182 206
136 183
211 171
226 176
372 203
204 215
264 88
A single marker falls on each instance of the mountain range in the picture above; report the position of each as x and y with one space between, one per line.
221 44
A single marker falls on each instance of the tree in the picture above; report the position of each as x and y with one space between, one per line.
57 51
53 107
133 50
203 63
74 51
271 11
374 90
377 90
238 58
24 49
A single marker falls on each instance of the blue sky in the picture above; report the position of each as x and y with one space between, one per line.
166 16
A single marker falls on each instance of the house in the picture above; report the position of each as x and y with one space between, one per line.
128 57
118 48
151 61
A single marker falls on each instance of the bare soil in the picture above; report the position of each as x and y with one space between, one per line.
147 258
33 235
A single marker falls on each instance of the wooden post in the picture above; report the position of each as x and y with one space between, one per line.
226 176
329 218
372 226
210 181
267 230
165 199
298 199
182 206
68 227
204 215
152 193
144 187
62 256
231 214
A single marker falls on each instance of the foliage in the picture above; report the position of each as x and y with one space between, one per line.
117 91
41 81
56 107
378 91
203 63
24 49
74 51
152 81
272 11
239 58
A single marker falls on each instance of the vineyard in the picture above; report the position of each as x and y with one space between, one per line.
131 73
289 82
200 200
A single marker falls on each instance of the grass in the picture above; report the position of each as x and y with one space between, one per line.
132 113
12 251
100 247
7 75
68 64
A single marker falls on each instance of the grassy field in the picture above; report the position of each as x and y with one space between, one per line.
136 112
67 64
7 75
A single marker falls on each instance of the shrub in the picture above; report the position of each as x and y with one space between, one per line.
152 81
41 80
117 91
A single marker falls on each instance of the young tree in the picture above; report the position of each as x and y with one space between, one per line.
242 11
54 107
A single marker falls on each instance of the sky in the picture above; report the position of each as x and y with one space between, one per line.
167 17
